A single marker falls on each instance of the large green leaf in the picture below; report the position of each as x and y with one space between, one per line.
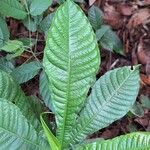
26 71
15 131
112 97
133 141
37 7
71 60
12 8
4 32
10 90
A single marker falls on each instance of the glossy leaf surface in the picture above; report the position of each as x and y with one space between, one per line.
71 61
15 130
133 141
11 91
111 98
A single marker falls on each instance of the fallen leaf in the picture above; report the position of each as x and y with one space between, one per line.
145 79
143 2
140 17
125 9
143 121
112 17
107 134
148 68
143 55
115 1
91 2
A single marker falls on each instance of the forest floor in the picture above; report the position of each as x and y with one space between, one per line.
130 19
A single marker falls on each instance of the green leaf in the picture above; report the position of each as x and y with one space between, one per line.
71 60
101 32
36 105
1 38
111 98
37 7
137 109
133 141
11 91
14 47
46 23
95 16
26 71
53 142
145 101
16 132
45 91
27 42
4 32
6 65
12 8
109 40
30 25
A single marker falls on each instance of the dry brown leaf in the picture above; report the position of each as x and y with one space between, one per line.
125 9
143 2
143 55
107 134
112 17
145 79
91 2
143 121
148 68
140 17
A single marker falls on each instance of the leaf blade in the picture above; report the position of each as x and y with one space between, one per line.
53 142
37 7
9 6
111 98
45 91
139 140
71 60
26 71
4 32
11 91
95 16
15 127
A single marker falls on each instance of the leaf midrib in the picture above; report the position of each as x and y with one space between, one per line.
68 84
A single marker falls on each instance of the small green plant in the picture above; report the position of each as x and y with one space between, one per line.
71 61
